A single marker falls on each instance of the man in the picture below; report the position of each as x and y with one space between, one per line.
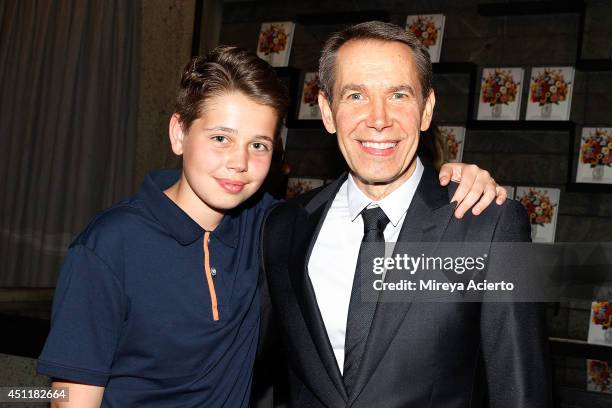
377 97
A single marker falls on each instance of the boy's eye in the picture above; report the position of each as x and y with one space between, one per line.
260 146
220 138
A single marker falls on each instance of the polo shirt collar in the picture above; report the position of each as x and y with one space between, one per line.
394 205
176 221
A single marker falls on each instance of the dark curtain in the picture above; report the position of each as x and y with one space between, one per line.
69 75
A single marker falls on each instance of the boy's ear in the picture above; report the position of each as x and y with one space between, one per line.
326 113
176 134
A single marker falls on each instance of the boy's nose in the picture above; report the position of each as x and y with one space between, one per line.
238 160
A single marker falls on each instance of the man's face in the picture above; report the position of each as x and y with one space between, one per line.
377 113
227 151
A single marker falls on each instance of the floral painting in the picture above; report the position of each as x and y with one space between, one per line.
297 186
309 106
429 29
599 376
595 156
542 205
274 43
550 93
500 94
600 323
453 137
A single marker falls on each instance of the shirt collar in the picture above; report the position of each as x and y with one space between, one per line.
394 205
176 221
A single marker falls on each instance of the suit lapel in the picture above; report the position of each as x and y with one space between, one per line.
307 231
426 220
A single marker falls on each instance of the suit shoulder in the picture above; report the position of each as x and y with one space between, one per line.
304 199
292 206
513 224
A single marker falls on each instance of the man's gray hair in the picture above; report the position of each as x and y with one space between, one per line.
373 30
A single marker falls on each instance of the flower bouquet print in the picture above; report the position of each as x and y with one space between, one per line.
542 205
309 106
274 43
500 94
595 156
429 29
550 93
600 323
297 186
453 137
599 376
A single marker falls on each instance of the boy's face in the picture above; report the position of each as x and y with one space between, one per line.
227 151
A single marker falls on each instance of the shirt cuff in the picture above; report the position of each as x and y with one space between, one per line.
79 375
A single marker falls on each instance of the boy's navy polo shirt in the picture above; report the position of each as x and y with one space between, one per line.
132 308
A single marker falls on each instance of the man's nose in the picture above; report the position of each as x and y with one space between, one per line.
378 116
238 159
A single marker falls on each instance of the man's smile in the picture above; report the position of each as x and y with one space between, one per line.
378 148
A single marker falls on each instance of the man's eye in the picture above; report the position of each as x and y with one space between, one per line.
355 96
399 95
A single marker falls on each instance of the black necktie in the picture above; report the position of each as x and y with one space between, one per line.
361 312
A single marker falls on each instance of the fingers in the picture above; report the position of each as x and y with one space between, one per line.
445 174
480 195
466 178
490 193
502 195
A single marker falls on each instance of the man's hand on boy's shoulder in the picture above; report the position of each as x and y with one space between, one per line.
476 188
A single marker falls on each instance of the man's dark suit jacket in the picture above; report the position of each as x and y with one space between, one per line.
417 354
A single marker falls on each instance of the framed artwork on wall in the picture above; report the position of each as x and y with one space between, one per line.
542 205
600 323
594 162
309 106
297 186
429 29
274 44
454 138
599 376
550 93
500 94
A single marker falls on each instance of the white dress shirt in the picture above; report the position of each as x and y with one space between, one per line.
333 260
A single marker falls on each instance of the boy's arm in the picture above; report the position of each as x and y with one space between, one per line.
79 395
89 310
476 189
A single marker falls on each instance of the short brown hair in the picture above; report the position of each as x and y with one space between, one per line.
373 30
226 69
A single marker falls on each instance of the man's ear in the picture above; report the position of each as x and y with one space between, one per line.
428 109
176 134
326 113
